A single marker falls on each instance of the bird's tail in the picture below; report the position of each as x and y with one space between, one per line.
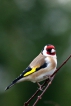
14 82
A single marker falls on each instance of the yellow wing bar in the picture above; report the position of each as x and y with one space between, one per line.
31 71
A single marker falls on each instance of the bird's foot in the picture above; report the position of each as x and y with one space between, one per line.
40 86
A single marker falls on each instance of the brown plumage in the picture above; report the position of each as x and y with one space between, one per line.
38 61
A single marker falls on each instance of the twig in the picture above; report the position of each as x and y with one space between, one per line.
26 103
39 97
61 65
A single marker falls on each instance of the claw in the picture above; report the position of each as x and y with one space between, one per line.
40 87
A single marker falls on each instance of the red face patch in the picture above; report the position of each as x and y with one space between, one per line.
50 47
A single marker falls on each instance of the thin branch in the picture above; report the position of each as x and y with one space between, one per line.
61 65
26 103
39 97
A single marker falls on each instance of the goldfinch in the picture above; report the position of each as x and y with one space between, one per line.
40 68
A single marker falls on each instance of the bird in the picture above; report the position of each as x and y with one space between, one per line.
41 68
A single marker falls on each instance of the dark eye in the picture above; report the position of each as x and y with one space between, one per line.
49 50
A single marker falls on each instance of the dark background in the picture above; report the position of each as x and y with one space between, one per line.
26 26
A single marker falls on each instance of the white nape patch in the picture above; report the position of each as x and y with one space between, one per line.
45 47
44 51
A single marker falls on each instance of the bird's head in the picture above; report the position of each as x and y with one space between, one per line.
49 50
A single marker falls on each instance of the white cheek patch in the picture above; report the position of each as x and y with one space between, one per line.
53 50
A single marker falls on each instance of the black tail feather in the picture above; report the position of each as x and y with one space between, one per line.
18 78
9 87
14 82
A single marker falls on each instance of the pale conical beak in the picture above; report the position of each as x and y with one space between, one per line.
53 50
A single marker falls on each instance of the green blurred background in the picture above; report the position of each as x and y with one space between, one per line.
25 27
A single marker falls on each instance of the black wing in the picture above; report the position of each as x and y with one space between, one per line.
28 69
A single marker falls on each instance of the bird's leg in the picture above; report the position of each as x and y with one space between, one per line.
50 80
40 86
